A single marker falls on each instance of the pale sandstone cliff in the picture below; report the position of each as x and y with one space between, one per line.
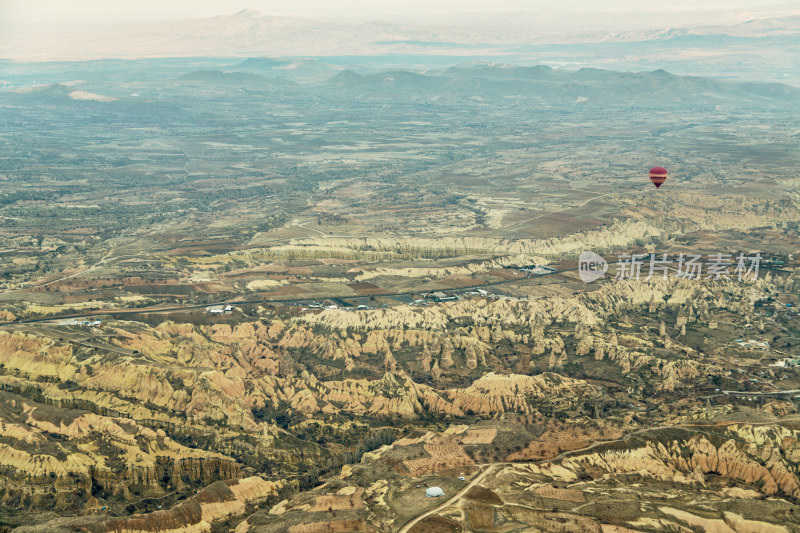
764 457
214 503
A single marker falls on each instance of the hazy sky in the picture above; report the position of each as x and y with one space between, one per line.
25 13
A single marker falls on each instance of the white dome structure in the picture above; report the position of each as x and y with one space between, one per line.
434 492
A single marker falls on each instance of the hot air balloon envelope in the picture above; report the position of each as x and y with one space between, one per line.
658 175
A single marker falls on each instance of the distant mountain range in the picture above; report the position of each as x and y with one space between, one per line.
499 85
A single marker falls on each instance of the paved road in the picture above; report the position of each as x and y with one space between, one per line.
761 393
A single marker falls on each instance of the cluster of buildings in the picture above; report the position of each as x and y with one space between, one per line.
786 363
440 296
85 322
328 305
538 270
761 345
219 309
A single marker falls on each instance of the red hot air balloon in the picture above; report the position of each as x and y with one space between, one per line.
658 175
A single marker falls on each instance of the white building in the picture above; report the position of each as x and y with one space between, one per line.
434 492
